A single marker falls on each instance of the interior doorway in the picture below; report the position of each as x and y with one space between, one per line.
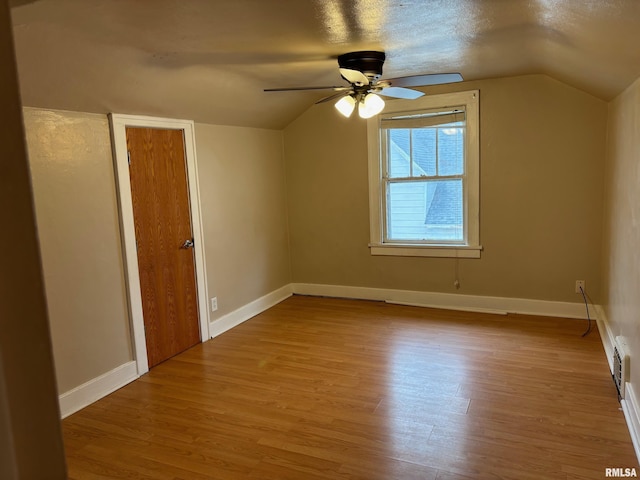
158 270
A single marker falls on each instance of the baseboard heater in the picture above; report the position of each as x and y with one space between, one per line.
620 365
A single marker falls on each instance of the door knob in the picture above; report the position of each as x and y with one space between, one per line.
187 244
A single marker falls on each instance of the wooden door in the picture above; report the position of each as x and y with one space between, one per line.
162 219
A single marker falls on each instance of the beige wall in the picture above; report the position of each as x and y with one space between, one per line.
30 438
242 194
621 258
77 214
243 209
542 149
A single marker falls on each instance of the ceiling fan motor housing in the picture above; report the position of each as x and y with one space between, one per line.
368 62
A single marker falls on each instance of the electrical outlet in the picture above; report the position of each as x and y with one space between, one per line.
580 286
214 304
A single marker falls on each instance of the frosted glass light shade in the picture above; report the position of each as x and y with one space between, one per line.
346 105
370 106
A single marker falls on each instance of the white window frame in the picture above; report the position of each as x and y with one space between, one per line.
470 247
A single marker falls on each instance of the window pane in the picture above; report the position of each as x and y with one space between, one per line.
424 151
450 151
426 210
399 152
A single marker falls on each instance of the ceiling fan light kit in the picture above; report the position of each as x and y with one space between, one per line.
346 105
368 105
363 71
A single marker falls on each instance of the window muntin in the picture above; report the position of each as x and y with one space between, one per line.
423 177
420 152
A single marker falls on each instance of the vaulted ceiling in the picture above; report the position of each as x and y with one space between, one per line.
209 60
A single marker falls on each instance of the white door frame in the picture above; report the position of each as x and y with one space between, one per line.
119 123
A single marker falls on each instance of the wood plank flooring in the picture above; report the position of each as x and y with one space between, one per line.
318 388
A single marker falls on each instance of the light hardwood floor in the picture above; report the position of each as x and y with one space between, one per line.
318 388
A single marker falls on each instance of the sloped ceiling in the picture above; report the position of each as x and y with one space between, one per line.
209 60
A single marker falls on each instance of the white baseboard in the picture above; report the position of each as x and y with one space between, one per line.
632 416
450 301
606 335
242 314
96 388
629 404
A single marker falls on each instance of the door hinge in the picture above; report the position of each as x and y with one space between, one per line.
129 157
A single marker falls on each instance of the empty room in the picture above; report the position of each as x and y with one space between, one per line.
290 239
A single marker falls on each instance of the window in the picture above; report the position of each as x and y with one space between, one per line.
424 177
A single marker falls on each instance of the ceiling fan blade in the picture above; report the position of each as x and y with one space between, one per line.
354 76
400 92
333 97
292 89
424 80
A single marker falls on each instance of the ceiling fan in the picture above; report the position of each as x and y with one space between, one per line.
363 71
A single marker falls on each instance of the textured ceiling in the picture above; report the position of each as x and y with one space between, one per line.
209 60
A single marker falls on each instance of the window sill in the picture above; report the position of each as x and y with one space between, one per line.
442 251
